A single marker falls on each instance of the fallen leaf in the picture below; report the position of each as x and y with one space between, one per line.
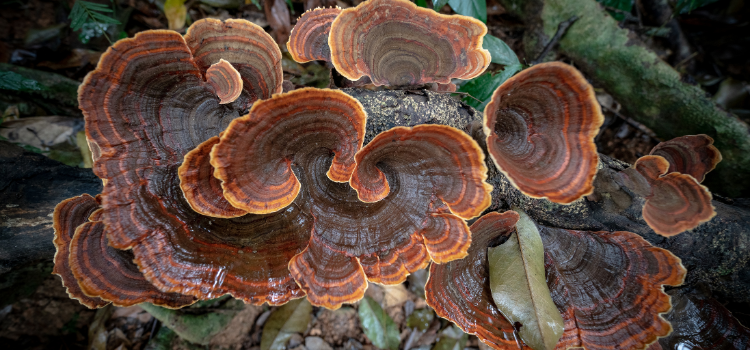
420 319
176 12
291 318
378 326
452 338
519 286
277 15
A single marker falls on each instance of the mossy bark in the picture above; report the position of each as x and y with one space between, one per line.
58 94
649 89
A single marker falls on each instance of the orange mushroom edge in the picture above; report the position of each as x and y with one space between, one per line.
226 80
676 202
694 155
95 273
397 43
623 311
308 40
540 127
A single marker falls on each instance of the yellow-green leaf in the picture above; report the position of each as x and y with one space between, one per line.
175 11
519 287
291 318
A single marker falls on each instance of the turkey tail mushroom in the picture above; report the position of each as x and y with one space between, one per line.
309 38
694 155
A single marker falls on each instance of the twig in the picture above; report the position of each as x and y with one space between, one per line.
562 28
459 93
634 124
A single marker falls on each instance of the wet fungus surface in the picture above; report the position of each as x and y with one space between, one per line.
92 271
309 38
394 42
694 155
606 285
540 127
675 202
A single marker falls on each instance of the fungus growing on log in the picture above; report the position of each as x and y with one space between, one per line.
95 273
674 202
694 155
225 80
146 106
68 215
405 202
540 127
607 286
309 38
396 43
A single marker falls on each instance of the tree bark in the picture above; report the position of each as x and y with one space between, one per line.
714 253
649 89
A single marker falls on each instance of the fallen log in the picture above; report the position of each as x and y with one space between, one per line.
714 253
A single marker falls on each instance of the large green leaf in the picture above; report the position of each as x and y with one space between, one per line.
17 82
378 326
438 4
291 318
500 51
622 5
519 287
482 87
471 8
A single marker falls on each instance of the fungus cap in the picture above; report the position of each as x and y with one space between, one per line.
309 38
677 202
540 127
394 42
226 80
694 155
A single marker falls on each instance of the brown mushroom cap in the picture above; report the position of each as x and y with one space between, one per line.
68 215
607 286
460 290
309 38
254 157
111 274
146 106
225 80
677 202
540 127
394 42
201 189
694 155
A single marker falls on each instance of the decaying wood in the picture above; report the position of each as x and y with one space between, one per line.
714 253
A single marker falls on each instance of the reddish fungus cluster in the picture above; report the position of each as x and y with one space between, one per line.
286 200
606 285
670 179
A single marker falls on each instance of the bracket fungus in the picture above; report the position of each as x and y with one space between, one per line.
394 42
607 286
309 38
93 272
380 212
675 202
540 127
694 155
226 80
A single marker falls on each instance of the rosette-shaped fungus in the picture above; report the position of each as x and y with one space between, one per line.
394 42
540 127
309 38
606 285
93 272
675 202
149 103
408 192
694 155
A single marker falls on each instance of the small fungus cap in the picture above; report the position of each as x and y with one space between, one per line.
677 202
694 155
540 127
396 43
309 38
